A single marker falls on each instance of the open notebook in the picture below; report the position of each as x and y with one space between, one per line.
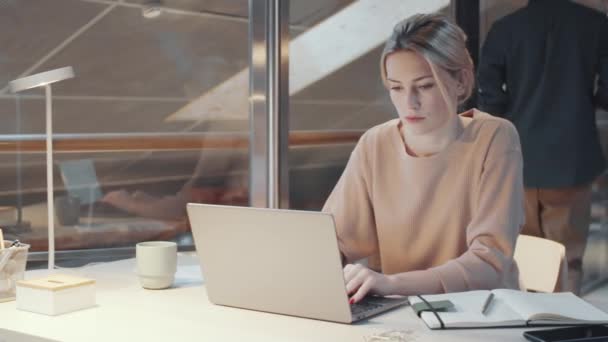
509 308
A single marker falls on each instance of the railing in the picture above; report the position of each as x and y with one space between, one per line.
161 141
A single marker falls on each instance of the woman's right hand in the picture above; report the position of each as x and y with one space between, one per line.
361 280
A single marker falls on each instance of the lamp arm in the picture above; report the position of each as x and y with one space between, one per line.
49 176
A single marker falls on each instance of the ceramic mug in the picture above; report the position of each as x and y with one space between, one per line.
156 264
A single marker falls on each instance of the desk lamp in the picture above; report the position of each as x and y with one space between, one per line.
45 79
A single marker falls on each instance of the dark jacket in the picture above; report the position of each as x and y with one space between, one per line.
538 69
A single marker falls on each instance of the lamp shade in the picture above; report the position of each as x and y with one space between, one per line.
41 79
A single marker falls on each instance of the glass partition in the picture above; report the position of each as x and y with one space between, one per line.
139 131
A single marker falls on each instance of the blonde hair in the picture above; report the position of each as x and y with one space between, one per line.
440 42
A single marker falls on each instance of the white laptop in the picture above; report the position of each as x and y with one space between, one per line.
275 260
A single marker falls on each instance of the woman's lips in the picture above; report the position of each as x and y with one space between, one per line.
414 119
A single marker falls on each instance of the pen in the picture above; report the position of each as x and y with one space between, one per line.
487 303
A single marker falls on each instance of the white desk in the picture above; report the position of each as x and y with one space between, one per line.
126 312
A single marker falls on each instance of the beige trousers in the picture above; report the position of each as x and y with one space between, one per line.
561 215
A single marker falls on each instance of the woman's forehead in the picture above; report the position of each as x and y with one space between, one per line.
407 64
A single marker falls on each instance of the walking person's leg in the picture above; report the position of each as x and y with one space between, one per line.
565 215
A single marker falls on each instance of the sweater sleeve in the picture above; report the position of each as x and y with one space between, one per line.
499 215
350 205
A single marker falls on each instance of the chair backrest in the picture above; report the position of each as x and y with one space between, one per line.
542 264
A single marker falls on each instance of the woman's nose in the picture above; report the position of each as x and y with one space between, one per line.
413 101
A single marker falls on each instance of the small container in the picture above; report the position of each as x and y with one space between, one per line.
12 268
56 294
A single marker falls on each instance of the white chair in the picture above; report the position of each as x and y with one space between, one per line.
542 264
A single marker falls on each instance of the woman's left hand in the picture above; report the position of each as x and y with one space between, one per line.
361 280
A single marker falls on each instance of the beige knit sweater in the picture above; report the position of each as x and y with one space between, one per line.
453 216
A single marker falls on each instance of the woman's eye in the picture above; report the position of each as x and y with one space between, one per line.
396 88
426 86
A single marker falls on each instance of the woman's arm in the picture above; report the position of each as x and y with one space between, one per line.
350 205
361 280
499 215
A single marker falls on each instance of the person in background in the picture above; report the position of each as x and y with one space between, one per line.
433 199
538 69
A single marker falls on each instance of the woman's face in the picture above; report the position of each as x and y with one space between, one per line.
416 94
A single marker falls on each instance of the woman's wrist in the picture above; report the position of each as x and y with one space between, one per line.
401 283
392 284
414 282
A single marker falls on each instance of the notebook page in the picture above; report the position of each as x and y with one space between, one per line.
552 307
467 311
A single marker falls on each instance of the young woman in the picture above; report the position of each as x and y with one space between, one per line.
433 199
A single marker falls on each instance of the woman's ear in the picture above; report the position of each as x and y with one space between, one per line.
461 90
463 78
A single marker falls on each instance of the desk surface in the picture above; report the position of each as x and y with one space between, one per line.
126 312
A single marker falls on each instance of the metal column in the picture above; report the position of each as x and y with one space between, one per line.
269 103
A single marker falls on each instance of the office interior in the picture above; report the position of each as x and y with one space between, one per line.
163 101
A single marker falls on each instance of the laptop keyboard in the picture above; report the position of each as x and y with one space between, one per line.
363 306
373 303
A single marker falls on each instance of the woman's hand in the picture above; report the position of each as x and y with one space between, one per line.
130 202
118 198
360 281
124 199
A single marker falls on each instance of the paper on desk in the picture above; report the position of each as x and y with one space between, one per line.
393 336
